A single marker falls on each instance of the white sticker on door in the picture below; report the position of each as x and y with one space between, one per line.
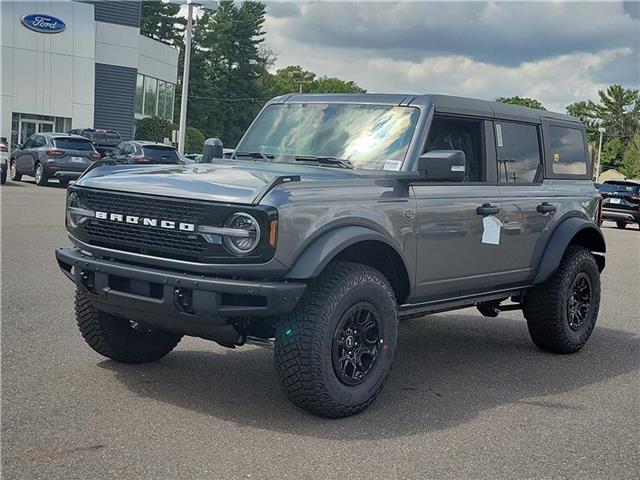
492 227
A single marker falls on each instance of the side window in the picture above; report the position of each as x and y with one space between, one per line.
460 134
518 152
127 149
568 156
28 143
38 141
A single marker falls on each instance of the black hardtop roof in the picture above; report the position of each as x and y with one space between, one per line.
441 103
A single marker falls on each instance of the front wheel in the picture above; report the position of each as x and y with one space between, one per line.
334 351
561 312
121 339
621 224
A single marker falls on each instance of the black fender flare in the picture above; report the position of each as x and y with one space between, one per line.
574 227
317 255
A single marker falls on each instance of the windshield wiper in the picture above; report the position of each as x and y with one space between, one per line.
257 155
328 161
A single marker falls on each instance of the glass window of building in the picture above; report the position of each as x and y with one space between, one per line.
161 98
169 107
139 93
150 95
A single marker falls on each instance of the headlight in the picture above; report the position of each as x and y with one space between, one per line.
76 211
242 233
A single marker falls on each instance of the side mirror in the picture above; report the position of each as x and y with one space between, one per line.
212 149
443 165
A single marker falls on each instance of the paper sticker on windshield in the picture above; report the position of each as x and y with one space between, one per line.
499 134
393 165
556 157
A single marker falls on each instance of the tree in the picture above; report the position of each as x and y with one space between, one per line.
294 78
631 160
522 101
160 21
154 129
227 63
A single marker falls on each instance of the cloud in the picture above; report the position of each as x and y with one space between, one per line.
556 52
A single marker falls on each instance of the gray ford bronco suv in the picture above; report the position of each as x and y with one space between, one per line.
337 216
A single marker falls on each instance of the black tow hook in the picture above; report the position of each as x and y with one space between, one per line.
183 298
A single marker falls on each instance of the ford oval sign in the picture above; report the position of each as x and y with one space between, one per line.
39 22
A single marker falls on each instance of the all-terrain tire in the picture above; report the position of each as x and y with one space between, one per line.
304 356
547 306
40 175
13 172
115 337
621 224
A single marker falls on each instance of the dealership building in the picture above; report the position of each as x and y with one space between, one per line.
80 64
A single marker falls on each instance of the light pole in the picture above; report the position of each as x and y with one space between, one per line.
182 124
601 130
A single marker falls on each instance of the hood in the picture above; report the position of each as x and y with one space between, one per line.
234 181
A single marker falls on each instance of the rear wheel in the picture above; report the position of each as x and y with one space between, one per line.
334 351
621 224
121 339
40 176
561 313
13 172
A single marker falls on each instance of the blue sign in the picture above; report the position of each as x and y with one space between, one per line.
39 22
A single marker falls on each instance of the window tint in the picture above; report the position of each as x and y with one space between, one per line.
160 153
73 144
39 141
518 150
567 151
465 135
619 187
127 149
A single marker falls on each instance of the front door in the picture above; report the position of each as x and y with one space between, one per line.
456 257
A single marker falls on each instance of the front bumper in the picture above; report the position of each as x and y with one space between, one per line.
626 215
188 304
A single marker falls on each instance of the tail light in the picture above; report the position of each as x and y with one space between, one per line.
140 159
53 152
94 156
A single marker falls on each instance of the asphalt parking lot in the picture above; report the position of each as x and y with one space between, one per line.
468 398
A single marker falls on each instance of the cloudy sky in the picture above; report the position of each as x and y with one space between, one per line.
553 51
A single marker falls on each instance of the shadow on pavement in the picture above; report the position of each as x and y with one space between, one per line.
447 370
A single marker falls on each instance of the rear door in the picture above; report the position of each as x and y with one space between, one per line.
77 153
529 204
455 257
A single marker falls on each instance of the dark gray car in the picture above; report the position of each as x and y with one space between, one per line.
52 155
337 216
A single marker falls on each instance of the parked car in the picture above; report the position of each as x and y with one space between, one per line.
52 155
316 240
147 153
621 202
103 140
4 160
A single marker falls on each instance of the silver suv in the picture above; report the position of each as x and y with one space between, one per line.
337 216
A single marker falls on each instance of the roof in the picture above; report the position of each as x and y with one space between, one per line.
148 142
442 103
60 134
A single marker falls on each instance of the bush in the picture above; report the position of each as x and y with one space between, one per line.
194 140
154 129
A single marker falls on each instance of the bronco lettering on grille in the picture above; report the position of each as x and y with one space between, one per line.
145 221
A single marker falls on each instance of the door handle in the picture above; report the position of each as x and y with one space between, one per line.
487 209
546 207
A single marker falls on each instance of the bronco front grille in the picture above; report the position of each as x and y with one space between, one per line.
157 241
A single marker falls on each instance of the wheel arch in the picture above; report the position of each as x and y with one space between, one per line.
359 245
575 231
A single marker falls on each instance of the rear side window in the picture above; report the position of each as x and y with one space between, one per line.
518 151
160 153
72 144
568 156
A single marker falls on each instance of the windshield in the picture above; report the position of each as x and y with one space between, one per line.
372 137
73 144
159 152
611 187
